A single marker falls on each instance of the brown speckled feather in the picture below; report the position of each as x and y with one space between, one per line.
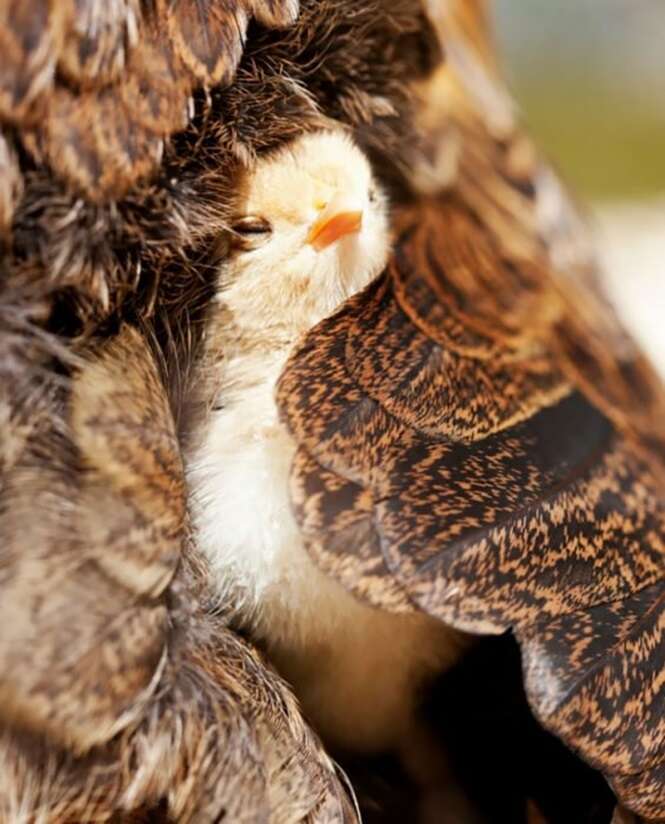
97 85
479 439
546 290
131 695
492 495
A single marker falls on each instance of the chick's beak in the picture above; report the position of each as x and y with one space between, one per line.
340 218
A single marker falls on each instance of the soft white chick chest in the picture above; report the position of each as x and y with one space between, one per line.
353 667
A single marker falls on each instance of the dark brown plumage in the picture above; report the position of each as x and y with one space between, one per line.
484 353
491 499
96 87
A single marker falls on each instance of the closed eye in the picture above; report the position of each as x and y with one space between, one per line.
250 232
251 225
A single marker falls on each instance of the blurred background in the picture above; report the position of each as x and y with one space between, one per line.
590 78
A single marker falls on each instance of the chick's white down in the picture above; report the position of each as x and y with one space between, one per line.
312 230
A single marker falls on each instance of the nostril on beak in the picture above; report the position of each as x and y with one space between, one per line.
340 218
325 233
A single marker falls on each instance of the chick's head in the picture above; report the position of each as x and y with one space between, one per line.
311 230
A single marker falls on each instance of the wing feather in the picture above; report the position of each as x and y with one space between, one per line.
95 87
490 493
119 692
208 37
100 36
489 435
30 39
105 524
592 679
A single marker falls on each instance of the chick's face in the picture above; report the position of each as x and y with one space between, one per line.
311 230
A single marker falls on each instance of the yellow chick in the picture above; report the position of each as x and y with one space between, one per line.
311 231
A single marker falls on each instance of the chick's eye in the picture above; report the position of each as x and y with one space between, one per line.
372 195
252 225
250 232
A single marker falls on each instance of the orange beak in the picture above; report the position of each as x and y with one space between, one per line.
336 221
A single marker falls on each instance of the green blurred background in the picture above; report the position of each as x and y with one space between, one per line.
590 76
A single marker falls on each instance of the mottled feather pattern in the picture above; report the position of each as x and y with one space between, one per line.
98 39
207 746
542 285
486 519
599 657
432 491
444 437
30 39
132 696
530 220
461 398
207 38
135 461
132 68
100 546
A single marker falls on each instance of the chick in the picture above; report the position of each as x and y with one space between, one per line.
312 230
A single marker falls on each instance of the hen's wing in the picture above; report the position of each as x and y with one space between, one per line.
94 87
479 439
549 292
118 691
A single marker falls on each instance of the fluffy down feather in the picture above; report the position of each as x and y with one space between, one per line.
358 671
